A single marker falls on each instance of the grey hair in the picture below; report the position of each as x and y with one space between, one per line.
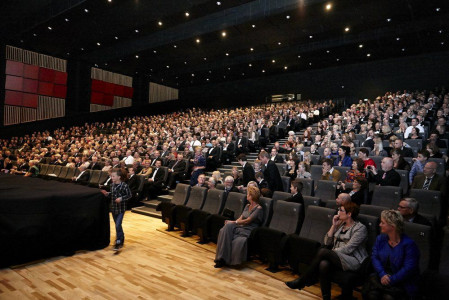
229 178
412 203
393 218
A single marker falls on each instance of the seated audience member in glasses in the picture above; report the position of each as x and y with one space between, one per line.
329 173
430 180
347 238
232 247
408 207
395 259
296 188
387 176
358 193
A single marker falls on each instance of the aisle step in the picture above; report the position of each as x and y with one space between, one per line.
147 211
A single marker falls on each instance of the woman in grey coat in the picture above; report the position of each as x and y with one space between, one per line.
347 238
233 237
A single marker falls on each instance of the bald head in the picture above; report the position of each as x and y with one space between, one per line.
387 164
430 168
342 199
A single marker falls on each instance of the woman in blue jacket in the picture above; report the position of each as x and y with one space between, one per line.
343 159
395 259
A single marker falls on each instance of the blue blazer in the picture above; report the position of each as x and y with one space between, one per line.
404 262
347 161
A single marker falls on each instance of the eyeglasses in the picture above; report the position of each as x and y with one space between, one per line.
402 207
340 209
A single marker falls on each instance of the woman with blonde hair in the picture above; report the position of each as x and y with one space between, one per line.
232 247
395 259
216 175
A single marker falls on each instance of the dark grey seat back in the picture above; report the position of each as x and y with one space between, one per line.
315 159
422 236
197 197
286 183
441 165
281 168
309 200
343 171
267 205
181 194
325 190
94 177
372 210
286 216
372 226
429 201
387 196
235 202
377 160
280 196
103 177
317 222
214 201
43 169
404 180
316 171
307 186
63 172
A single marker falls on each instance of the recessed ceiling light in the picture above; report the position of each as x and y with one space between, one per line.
223 34
287 17
437 9
168 67
174 46
116 37
263 71
442 43
159 23
403 49
368 54
253 26
105 64
205 58
187 14
82 49
185 63
136 30
310 63
328 6
250 65
243 74
197 41
66 20
218 3
347 29
210 72
154 51
299 56
440 31
86 10
120 60
137 56
360 46
397 39
227 54
207 79
311 36
338 59
98 44
193 75
279 43
389 20
49 28
109 0
285 67
273 61
251 49
34 34
328 51
342 86
224 76
68 53
229 69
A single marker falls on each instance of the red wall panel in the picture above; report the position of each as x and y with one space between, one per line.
60 78
97 85
30 71
14 83
30 85
128 92
14 68
13 98
96 98
46 75
59 91
108 99
109 88
30 100
119 90
45 88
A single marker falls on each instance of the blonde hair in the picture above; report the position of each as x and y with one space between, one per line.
254 192
393 218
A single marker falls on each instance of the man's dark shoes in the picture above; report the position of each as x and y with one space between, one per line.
219 264
295 284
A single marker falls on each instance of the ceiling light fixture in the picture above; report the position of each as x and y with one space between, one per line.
279 43
218 3
154 51
116 37
187 14
287 17
223 34
168 67
437 9
205 58
338 59
49 28
273 61
253 26
66 20
159 23
263 71
346 29
328 51
311 36
251 49
34 34
250 65
285 67
86 10
197 41
109 0
328 6
397 39
174 46
227 54
137 56
136 30
368 55
360 46
389 20
98 44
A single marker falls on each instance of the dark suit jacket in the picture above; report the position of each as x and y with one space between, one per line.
159 178
215 153
95 166
248 174
408 152
133 184
297 198
392 178
279 159
180 166
84 179
438 183
272 176
243 141
418 219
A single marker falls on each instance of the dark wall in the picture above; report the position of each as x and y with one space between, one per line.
2 81
78 87
366 80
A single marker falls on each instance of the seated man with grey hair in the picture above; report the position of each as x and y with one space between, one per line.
408 207
229 185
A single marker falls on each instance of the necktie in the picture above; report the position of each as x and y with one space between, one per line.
426 184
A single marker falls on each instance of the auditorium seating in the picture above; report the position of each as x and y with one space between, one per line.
325 190
280 196
180 197
286 183
387 196
307 186
309 200
429 202
372 210
268 242
181 212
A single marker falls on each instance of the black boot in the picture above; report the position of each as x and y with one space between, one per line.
296 284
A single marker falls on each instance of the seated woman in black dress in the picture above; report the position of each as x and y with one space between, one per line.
347 238
233 237
399 162
358 193
395 260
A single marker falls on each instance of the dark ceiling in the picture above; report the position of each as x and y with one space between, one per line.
262 37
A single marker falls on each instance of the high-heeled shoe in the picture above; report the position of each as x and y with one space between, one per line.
296 284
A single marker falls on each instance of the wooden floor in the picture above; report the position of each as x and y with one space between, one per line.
152 265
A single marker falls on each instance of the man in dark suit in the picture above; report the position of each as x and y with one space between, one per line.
242 144
275 157
262 184
175 169
430 180
271 172
387 176
155 182
248 170
229 186
133 184
94 165
213 156
408 207
398 144
83 177
295 189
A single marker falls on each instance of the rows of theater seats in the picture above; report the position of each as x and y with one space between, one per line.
291 233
